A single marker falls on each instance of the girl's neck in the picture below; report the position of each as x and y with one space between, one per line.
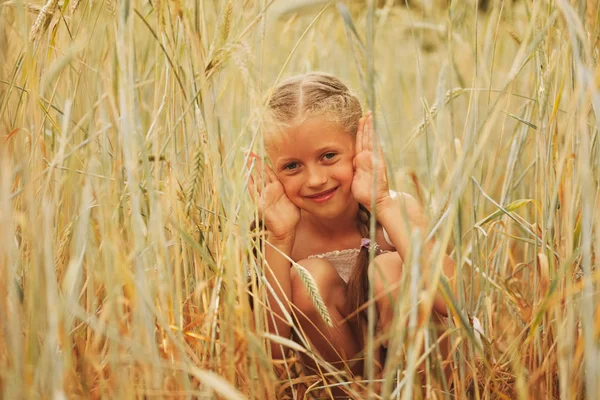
339 225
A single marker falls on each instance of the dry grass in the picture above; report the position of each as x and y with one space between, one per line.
124 222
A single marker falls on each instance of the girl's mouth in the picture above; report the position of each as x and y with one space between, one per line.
323 196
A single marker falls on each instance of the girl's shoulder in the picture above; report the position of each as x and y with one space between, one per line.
414 209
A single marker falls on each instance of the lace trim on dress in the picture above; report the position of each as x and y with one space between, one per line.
344 260
336 253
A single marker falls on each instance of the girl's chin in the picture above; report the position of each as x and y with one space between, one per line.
331 210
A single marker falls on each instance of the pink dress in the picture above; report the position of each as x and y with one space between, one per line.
344 260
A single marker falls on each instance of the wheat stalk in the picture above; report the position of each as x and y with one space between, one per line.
194 178
111 6
313 291
43 20
158 303
227 17
61 252
433 111
73 6
198 164
513 34
32 8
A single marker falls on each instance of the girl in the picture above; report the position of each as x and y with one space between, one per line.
315 200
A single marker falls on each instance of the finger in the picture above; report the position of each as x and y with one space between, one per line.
257 197
359 135
250 165
374 140
248 158
257 180
266 172
368 134
271 174
262 170
365 132
251 162
254 193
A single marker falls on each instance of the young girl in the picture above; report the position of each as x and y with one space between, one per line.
315 200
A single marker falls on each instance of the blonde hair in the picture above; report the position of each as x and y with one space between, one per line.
301 97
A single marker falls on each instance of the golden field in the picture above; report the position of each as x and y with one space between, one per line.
125 240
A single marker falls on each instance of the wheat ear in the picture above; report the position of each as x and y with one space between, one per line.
313 292
227 17
197 165
73 6
65 239
194 178
43 20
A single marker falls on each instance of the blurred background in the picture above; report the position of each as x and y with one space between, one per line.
125 240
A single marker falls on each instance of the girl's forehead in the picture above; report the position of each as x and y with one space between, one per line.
310 136
313 130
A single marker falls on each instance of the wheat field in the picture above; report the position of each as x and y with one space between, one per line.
125 240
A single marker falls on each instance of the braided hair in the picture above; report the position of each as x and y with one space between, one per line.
358 283
301 97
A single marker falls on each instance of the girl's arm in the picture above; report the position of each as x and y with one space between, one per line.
390 213
281 218
277 273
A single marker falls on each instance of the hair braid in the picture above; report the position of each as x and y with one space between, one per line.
358 283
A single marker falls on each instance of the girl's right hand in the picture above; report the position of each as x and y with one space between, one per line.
281 216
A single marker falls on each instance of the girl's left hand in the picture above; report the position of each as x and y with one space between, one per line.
362 183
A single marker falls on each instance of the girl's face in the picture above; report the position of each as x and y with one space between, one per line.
314 162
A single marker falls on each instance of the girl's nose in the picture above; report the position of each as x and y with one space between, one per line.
316 177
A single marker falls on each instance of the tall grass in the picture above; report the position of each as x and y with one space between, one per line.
125 242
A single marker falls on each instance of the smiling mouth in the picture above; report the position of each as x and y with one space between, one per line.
323 196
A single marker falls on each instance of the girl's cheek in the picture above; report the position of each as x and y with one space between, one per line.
290 183
346 172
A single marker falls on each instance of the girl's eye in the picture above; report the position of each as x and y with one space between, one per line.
291 166
328 156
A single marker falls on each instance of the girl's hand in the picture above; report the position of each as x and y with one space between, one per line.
362 183
281 216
